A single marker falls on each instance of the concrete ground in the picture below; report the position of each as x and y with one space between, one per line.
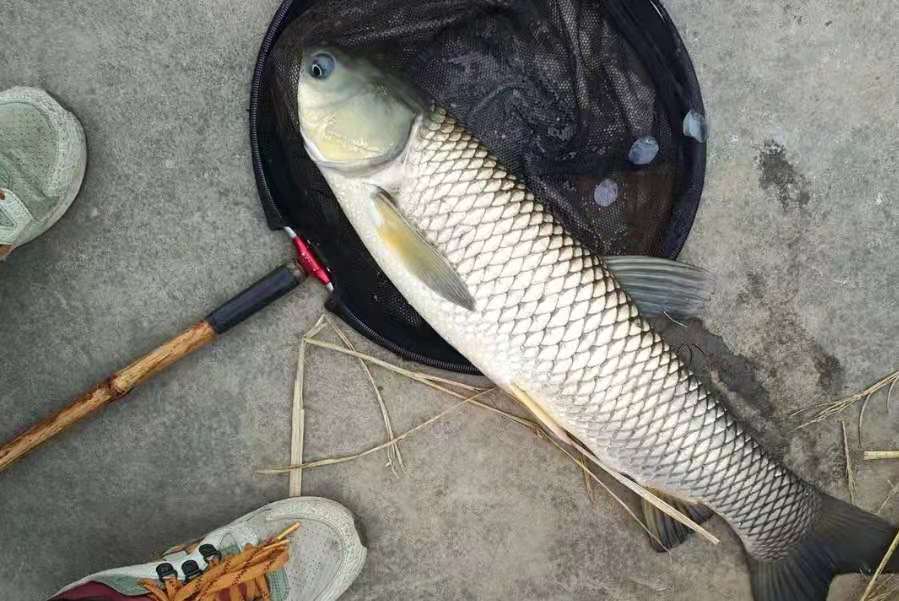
799 222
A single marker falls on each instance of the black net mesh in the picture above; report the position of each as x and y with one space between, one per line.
585 100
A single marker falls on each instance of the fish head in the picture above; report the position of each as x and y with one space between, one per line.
352 114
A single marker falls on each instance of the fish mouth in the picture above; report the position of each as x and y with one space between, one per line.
354 167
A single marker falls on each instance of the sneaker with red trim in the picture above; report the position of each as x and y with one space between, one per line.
299 549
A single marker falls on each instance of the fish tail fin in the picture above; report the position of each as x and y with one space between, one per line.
844 539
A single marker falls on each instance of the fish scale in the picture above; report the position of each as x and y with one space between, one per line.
568 334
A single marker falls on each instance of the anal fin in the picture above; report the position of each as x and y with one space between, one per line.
665 529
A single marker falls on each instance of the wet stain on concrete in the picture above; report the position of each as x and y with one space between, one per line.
742 383
756 284
781 177
788 332
756 289
709 352
830 371
709 355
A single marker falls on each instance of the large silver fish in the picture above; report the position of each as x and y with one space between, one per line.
559 328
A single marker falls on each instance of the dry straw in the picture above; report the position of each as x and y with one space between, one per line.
873 455
850 478
470 396
878 589
879 570
884 589
828 409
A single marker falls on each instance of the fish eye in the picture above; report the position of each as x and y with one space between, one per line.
322 65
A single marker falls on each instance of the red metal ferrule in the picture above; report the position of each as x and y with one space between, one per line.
308 261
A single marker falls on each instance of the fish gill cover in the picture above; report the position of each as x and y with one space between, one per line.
593 104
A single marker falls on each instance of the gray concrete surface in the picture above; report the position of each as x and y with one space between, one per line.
799 221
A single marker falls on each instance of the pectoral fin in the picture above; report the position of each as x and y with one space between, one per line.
417 254
660 286
540 413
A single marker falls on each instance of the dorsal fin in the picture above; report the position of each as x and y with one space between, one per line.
658 286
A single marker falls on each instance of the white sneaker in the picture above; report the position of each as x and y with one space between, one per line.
42 161
261 556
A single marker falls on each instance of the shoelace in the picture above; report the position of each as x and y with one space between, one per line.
242 575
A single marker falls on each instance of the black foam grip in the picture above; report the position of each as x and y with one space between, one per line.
256 297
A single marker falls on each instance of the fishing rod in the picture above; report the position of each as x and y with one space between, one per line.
239 308
231 313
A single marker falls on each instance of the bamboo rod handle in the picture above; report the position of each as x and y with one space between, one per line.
110 390
255 298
